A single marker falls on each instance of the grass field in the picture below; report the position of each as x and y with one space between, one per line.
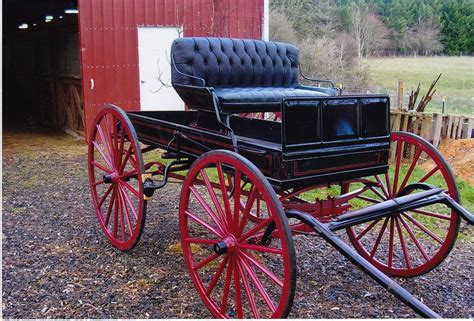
456 82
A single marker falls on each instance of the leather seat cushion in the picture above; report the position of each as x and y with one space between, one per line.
245 99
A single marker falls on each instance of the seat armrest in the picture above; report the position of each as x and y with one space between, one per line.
327 90
200 98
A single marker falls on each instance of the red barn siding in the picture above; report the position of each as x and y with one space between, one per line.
109 40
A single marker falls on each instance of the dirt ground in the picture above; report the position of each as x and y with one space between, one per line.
57 264
460 156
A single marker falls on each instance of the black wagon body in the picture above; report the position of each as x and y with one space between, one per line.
254 152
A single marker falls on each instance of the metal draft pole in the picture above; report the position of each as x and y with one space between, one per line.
390 285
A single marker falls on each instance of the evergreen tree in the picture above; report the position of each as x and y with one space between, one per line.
458 26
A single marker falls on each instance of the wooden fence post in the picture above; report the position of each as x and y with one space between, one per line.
438 123
400 94
469 127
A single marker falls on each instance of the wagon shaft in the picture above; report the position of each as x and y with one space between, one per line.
324 231
385 209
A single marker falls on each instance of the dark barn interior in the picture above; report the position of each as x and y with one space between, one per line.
41 64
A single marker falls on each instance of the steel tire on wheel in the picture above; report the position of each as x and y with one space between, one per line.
235 274
115 177
413 242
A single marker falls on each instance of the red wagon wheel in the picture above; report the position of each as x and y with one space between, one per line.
236 273
115 178
414 242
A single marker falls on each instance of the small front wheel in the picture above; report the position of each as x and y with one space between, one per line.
236 270
115 177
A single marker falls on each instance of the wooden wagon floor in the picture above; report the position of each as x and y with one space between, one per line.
56 262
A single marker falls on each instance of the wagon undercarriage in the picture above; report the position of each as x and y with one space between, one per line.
251 185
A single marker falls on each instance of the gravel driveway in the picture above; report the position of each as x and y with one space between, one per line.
57 264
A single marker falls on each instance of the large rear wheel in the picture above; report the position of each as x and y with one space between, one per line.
115 177
235 272
414 242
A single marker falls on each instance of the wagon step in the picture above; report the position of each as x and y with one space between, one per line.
323 229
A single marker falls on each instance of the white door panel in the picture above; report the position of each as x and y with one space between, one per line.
156 92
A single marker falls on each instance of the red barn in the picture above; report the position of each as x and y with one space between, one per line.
124 52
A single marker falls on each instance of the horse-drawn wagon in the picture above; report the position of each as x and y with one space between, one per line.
250 184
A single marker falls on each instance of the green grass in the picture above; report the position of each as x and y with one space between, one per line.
456 82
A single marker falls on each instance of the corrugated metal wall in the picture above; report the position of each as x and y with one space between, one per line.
109 39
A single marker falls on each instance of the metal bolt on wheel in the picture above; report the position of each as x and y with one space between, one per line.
235 273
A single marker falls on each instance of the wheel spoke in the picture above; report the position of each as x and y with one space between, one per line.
377 193
110 139
387 182
258 285
262 268
397 166
131 189
429 174
98 183
403 244
225 290
217 275
238 294
127 213
198 220
102 200
390 242
261 248
104 157
102 168
427 213
236 200
105 142
379 237
225 197
255 229
206 261
125 160
194 240
423 228
368 199
214 199
126 175
120 149
410 170
414 239
368 228
207 208
109 210
116 217
246 211
248 291
129 202
382 186
122 220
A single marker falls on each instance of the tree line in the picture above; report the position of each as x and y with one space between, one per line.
379 27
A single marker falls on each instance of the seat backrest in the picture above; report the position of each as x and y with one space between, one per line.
227 62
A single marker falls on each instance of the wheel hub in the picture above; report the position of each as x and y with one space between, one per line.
227 245
111 178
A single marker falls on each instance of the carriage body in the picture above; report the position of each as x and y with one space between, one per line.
247 177
297 152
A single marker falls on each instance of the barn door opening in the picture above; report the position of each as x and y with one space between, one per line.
41 65
154 45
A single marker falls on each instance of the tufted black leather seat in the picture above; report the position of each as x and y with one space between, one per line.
245 75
